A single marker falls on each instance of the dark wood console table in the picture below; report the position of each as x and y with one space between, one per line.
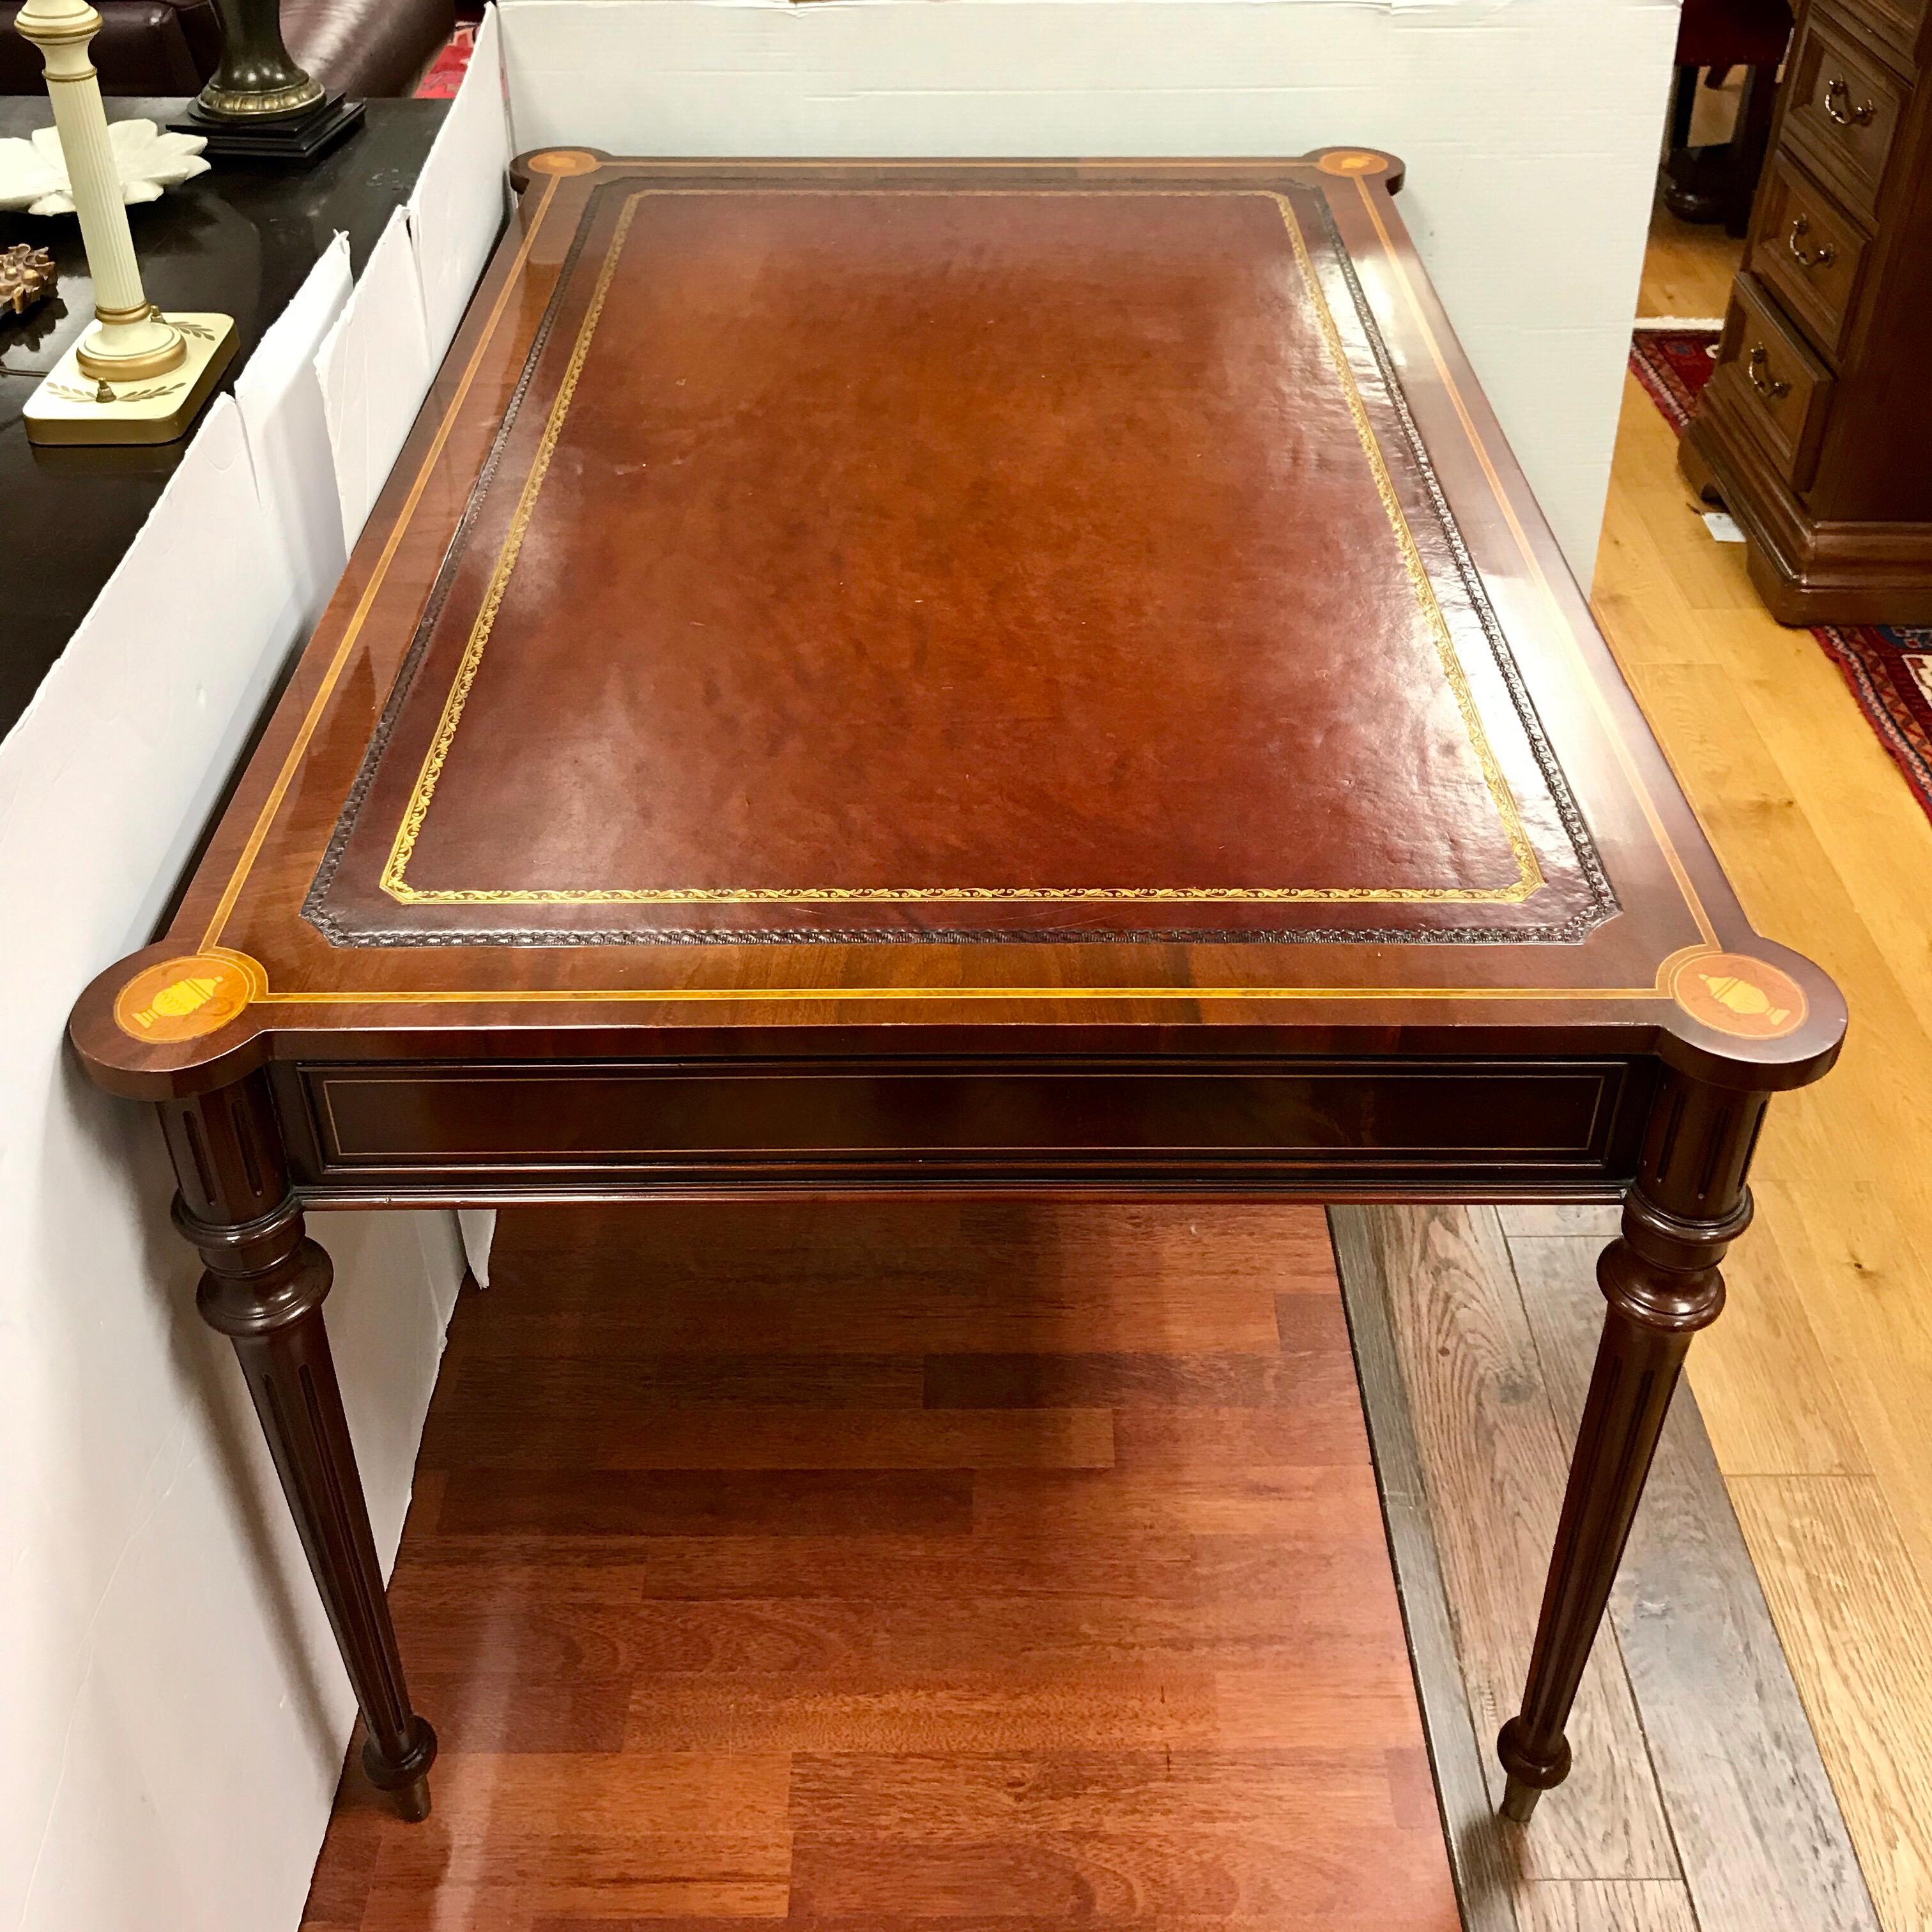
242 239
997 678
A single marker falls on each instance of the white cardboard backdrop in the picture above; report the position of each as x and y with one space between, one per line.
374 366
1530 128
172 1712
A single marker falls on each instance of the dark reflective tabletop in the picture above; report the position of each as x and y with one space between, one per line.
241 238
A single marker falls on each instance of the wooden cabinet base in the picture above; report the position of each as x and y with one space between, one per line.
1808 570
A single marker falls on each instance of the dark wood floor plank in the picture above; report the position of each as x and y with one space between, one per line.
680 1502
1139 1708
651 1900
512 1714
1757 1827
1111 1878
770 1320
890 1278
1323 1435
1171 1566
339 1894
930 1567
1322 1615
721 1435
533 1639
1292 1795
1206 1497
503 1401
1116 1251
534 1573
1306 1368
485 1630
589 1838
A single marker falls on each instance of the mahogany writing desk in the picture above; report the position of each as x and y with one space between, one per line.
1019 678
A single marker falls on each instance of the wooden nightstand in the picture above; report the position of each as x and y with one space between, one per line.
1813 429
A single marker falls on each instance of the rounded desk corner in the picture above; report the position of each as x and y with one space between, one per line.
168 1021
1755 1015
1368 164
536 164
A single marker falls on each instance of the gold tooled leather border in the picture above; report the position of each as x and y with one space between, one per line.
327 684
1529 877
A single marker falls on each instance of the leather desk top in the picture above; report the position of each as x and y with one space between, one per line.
886 602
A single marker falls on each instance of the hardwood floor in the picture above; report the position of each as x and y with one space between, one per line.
891 1566
1816 1386
746 1589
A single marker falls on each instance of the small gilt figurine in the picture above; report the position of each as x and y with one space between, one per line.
27 276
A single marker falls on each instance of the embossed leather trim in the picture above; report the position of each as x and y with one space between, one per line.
357 930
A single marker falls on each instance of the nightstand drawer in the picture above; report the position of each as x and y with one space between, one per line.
1899 21
1844 111
1808 251
1780 389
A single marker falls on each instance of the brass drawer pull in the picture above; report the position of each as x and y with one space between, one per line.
1822 256
1772 389
1837 91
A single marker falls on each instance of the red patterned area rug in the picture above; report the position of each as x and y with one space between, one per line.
446 71
1673 364
1888 669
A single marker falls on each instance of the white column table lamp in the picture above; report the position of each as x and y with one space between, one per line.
135 376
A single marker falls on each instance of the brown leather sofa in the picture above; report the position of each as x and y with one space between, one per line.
357 47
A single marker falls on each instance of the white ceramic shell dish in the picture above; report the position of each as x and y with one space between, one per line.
33 172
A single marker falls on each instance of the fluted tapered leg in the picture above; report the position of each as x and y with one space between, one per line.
1661 1278
264 1289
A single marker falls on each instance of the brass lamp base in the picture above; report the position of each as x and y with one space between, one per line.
124 372
296 96
71 406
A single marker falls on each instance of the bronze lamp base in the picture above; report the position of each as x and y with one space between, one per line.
260 103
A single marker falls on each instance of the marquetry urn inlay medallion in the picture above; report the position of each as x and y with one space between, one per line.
1739 995
183 999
